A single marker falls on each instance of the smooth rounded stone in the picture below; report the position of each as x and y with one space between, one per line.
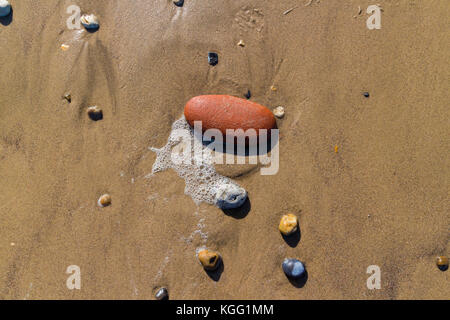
90 21
224 112
293 268
288 224
442 263
209 259
230 196
213 58
104 201
178 3
5 8
279 112
162 294
241 43
95 113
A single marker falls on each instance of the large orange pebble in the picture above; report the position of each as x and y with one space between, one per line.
226 112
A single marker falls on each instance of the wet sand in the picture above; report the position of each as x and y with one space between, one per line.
382 199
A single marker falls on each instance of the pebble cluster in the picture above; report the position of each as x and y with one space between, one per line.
228 196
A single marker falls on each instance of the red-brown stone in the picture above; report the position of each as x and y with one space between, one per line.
226 112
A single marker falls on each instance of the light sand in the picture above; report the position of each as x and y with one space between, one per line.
382 199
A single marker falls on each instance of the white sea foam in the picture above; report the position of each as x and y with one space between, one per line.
194 163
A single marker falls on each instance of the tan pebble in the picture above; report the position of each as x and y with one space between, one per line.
288 224
95 113
241 43
209 259
104 201
273 88
279 112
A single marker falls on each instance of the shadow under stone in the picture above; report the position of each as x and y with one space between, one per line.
300 282
216 274
293 239
241 212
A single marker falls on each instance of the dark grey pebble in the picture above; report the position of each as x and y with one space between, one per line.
178 3
213 58
95 113
162 294
248 95
293 268
366 94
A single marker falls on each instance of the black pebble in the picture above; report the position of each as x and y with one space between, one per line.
366 94
248 95
178 3
213 58
162 294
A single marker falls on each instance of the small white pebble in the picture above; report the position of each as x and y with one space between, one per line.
279 112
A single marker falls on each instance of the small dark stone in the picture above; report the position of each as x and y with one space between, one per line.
248 95
162 294
95 113
366 94
178 3
293 268
213 58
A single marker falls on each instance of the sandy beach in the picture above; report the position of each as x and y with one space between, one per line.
368 177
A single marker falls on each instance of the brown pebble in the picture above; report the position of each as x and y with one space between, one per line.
288 224
442 263
104 201
209 259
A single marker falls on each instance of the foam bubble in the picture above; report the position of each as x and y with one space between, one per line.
193 162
